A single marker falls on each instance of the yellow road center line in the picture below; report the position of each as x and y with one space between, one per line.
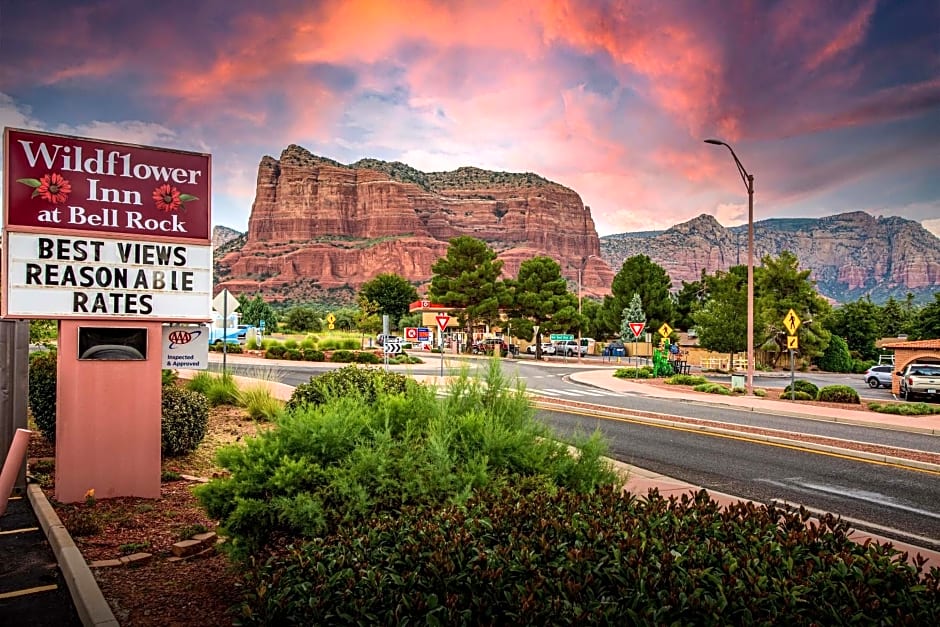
752 440
26 591
23 530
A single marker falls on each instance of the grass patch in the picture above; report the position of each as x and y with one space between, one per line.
712 388
686 379
904 409
133 547
260 403
187 532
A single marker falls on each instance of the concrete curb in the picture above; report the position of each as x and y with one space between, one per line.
89 601
760 437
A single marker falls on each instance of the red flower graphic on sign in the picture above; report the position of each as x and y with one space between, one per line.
52 187
168 198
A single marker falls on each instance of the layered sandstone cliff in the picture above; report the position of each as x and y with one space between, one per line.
319 225
850 255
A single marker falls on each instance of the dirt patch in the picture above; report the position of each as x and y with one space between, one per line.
197 591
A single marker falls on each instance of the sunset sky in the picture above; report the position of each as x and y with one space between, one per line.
833 106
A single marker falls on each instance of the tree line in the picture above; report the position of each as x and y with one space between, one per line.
468 279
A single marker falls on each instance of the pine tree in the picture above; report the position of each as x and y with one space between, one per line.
632 313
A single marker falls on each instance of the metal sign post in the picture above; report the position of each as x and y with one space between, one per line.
225 301
792 323
442 321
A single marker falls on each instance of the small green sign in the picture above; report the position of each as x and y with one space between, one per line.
560 337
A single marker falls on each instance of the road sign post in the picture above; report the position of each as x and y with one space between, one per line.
225 301
636 328
792 322
442 320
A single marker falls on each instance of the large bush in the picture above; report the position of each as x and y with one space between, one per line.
326 466
349 380
802 385
42 391
836 357
542 557
838 394
185 416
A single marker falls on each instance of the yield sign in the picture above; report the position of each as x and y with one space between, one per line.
637 328
442 321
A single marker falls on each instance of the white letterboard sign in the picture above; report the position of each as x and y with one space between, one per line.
55 276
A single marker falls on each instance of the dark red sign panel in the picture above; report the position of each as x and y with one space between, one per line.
74 183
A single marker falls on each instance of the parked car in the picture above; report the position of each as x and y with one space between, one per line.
920 379
569 348
547 348
878 376
489 346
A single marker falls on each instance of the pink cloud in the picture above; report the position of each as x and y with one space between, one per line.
845 38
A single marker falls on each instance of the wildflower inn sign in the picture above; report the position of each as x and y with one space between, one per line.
81 184
97 229
113 241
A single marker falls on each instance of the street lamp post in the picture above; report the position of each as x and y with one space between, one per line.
749 184
580 271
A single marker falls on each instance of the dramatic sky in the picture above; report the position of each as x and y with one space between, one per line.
832 105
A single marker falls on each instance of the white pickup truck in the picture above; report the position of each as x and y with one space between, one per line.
920 379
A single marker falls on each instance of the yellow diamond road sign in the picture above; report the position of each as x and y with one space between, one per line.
793 343
791 322
665 330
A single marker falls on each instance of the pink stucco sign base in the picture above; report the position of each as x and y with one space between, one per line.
107 419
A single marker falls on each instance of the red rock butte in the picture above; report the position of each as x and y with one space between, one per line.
317 225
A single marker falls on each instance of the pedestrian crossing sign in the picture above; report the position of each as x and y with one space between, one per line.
791 322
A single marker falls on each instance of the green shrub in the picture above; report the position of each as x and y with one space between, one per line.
308 342
230 347
275 351
838 394
403 358
222 390
168 377
200 381
42 392
350 344
185 415
294 354
342 356
760 392
366 383
905 409
802 385
797 395
313 354
330 344
536 556
686 379
836 357
363 357
167 476
325 466
644 372
259 403
712 388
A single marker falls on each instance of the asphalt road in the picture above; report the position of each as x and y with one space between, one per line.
888 500
553 383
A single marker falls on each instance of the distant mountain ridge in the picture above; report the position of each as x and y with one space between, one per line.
851 255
